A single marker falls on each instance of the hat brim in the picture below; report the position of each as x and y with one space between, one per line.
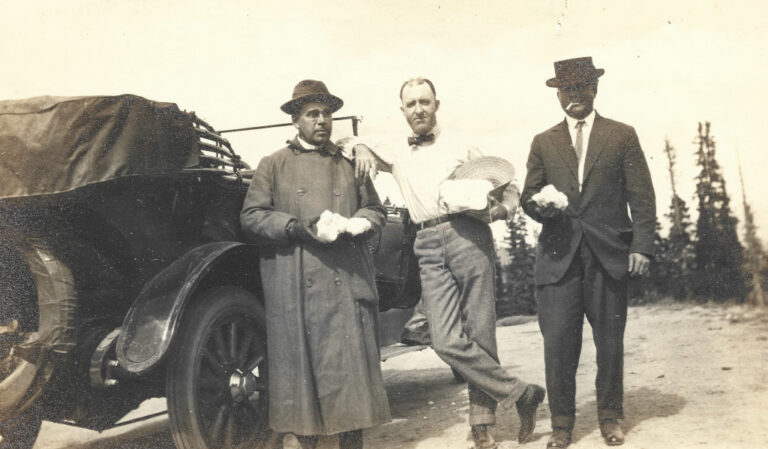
495 169
556 82
293 106
499 171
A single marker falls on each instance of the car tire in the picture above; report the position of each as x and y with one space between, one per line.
21 432
216 379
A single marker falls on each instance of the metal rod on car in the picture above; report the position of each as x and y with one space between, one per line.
355 120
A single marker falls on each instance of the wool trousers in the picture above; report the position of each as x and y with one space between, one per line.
457 280
586 289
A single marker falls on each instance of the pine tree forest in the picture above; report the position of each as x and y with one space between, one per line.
695 261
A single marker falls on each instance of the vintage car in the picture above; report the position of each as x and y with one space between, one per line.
124 274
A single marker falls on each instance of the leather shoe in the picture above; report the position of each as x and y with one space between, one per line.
526 408
611 432
483 439
560 438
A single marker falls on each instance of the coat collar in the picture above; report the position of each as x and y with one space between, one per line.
561 141
296 146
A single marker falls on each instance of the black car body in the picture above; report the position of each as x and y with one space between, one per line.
125 274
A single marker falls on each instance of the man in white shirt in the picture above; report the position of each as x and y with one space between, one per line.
587 250
455 253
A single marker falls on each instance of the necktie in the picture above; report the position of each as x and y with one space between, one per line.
421 138
579 146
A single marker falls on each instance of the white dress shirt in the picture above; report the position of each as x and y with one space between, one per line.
420 169
586 129
304 144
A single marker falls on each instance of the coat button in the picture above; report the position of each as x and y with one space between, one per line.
337 281
337 192
310 282
301 192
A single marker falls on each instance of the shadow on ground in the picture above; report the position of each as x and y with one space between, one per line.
415 397
639 405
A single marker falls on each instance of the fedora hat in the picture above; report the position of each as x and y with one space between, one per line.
311 90
572 72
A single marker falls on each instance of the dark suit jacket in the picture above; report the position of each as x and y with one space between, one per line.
615 175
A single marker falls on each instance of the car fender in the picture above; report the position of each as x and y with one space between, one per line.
150 325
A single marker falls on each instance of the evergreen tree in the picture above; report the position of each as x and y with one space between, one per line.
653 286
754 256
675 263
519 286
718 253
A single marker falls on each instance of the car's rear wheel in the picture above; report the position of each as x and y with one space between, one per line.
216 382
19 322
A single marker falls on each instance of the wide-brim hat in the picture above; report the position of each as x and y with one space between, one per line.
495 169
573 72
311 91
499 171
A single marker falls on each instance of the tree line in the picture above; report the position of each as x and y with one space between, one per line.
704 261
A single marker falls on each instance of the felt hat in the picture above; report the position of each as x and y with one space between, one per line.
311 90
573 72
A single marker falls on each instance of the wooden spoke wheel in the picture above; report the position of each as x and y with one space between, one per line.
217 375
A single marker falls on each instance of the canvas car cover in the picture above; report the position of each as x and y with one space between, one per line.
52 145
57 144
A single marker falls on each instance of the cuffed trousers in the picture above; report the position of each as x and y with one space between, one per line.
457 281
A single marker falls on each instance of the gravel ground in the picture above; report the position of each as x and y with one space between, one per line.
695 376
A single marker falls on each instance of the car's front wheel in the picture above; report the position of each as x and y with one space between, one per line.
216 383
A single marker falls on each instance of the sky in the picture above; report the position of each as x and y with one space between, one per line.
668 66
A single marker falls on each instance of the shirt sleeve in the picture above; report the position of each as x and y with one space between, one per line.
383 150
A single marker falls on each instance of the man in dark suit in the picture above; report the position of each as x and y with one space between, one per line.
588 249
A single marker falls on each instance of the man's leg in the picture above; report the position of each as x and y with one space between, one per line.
471 263
293 441
442 298
416 330
561 318
352 439
606 309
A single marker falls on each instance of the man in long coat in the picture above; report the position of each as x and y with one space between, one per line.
587 250
321 300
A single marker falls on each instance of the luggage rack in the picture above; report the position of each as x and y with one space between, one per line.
215 152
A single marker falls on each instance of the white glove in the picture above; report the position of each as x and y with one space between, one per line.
330 226
549 195
465 194
358 225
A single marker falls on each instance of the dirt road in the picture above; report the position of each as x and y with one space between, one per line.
695 376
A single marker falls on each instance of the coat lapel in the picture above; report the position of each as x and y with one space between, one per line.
597 140
561 141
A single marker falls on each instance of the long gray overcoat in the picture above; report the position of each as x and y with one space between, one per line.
321 301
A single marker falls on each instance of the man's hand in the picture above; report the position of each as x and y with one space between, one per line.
305 231
639 264
365 161
548 210
494 211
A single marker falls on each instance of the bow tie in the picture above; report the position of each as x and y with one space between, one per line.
421 138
